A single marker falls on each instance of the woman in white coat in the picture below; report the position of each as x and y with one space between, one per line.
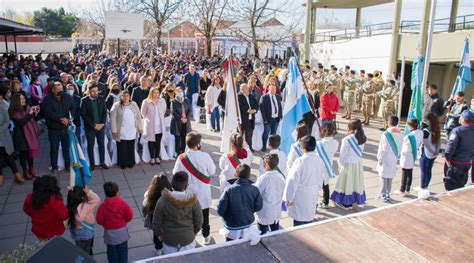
229 161
154 128
305 180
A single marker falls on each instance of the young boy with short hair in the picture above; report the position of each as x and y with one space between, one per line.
178 216
274 145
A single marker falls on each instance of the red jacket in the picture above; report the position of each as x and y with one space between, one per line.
48 221
114 213
329 103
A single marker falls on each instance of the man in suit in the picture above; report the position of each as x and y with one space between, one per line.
94 115
248 107
272 112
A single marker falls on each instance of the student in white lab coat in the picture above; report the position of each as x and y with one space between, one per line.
200 167
387 156
271 185
326 149
229 161
305 179
301 131
411 143
274 145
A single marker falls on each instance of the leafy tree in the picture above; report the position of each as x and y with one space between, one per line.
55 22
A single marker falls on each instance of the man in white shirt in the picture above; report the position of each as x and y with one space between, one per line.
272 113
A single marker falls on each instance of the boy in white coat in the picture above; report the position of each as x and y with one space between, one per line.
387 156
305 179
200 167
274 145
326 149
411 144
271 185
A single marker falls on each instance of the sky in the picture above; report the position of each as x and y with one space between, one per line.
411 10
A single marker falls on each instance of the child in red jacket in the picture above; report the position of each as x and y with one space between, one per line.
114 214
329 105
46 208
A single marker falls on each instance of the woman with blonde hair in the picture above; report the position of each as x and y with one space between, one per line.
153 113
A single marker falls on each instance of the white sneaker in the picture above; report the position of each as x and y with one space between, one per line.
416 188
207 240
158 252
397 192
407 194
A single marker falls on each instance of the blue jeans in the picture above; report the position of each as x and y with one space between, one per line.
299 223
426 167
118 253
269 128
264 228
55 137
215 119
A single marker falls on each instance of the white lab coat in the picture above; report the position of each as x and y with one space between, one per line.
330 146
292 156
228 171
271 185
204 163
387 160
304 181
281 162
406 156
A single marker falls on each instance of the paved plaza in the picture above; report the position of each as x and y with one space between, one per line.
15 226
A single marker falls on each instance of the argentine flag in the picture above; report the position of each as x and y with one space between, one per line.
80 174
464 77
296 104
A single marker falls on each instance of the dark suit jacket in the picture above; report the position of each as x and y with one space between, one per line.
266 107
176 111
86 112
244 107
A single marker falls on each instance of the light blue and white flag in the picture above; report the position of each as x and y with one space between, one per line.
80 174
464 77
296 104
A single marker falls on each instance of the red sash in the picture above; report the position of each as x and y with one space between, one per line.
193 170
233 160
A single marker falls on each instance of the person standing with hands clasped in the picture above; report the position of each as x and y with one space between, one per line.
154 128
329 104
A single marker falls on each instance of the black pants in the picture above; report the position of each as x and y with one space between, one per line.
8 160
91 135
248 133
264 228
154 147
326 194
157 242
180 140
86 245
206 228
455 176
407 177
55 137
26 161
126 153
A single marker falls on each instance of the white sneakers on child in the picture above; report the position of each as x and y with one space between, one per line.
158 252
206 240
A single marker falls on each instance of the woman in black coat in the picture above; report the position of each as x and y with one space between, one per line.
180 124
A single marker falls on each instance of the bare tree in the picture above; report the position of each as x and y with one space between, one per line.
207 14
160 11
255 15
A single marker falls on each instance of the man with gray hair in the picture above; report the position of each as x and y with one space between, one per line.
248 106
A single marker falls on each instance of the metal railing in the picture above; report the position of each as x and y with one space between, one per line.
406 27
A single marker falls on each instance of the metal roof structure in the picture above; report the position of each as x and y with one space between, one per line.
345 4
12 28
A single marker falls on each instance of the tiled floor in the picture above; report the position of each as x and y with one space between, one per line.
15 227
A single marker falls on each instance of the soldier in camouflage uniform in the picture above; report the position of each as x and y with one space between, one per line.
389 96
368 98
360 84
335 79
319 80
350 87
379 83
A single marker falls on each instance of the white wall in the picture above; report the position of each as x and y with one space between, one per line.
36 47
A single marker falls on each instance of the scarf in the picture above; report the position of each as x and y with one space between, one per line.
31 134
241 154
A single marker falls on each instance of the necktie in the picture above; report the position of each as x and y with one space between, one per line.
275 107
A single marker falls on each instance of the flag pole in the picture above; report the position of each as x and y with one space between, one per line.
451 97
230 63
402 86
426 68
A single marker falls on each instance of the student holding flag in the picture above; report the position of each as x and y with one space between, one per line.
387 156
326 149
200 167
229 161
350 187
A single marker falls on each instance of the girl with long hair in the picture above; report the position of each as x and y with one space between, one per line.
430 147
81 203
153 193
301 131
153 113
46 208
350 187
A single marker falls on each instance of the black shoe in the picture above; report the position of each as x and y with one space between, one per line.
104 166
123 167
92 168
263 150
131 166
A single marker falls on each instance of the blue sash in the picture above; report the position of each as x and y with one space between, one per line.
297 149
324 156
392 143
355 146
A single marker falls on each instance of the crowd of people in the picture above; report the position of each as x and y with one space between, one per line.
137 108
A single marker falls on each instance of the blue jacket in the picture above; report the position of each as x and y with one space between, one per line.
238 204
460 147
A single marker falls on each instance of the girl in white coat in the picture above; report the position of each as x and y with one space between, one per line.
301 131
305 180
350 187
387 156
229 161
326 149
